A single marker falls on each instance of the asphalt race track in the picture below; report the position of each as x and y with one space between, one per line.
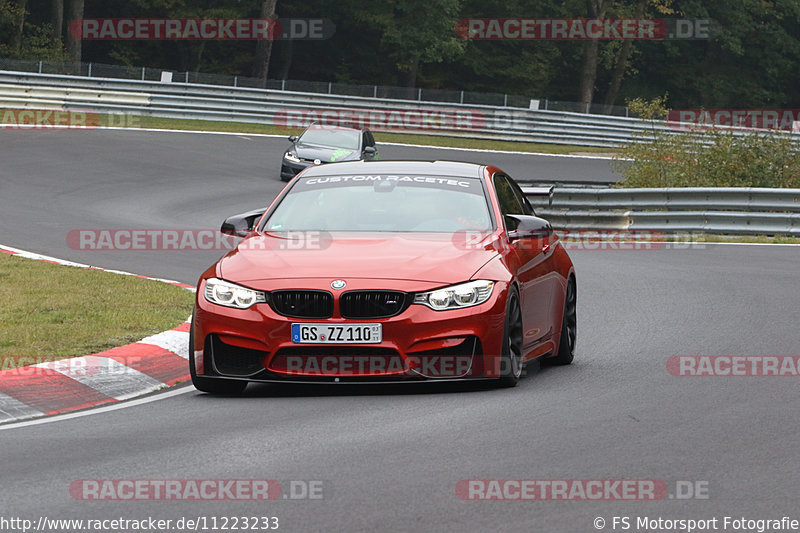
390 457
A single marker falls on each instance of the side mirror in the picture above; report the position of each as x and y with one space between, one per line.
370 150
242 224
527 227
293 138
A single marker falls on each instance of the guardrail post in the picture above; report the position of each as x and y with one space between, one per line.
419 94
40 67
330 85
89 72
587 107
283 85
236 81
461 101
505 100
374 91
187 77
143 73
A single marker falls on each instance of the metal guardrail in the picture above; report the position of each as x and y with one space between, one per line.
742 211
194 101
751 211
274 107
101 70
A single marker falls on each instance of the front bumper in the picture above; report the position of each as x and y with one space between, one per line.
418 344
290 169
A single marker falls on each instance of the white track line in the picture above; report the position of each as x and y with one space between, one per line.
276 136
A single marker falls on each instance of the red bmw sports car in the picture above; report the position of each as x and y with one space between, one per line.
385 270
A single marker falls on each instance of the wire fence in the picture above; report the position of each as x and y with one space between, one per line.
101 70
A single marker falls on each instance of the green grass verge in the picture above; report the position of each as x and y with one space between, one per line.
135 121
52 311
687 238
407 138
749 239
487 144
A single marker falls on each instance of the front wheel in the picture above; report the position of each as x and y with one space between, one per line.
511 364
569 327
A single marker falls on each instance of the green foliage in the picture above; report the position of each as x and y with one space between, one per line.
415 32
38 43
37 39
711 158
9 13
655 109
749 61
705 157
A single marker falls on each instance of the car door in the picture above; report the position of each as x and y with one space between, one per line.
533 268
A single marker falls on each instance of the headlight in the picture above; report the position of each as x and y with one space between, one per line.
289 156
229 294
456 296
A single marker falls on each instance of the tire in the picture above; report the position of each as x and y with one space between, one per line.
212 386
569 327
511 364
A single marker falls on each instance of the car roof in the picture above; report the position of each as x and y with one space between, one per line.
422 168
317 126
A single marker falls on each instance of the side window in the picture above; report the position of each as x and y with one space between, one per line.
527 208
506 196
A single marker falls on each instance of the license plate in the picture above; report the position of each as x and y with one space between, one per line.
337 333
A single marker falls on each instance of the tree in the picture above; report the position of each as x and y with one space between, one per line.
57 18
19 12
621 64
597 9
414 33
74 12
264 46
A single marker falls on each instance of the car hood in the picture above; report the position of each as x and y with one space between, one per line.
429 257
325 154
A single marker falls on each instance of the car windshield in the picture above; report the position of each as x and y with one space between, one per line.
333 137
382 203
